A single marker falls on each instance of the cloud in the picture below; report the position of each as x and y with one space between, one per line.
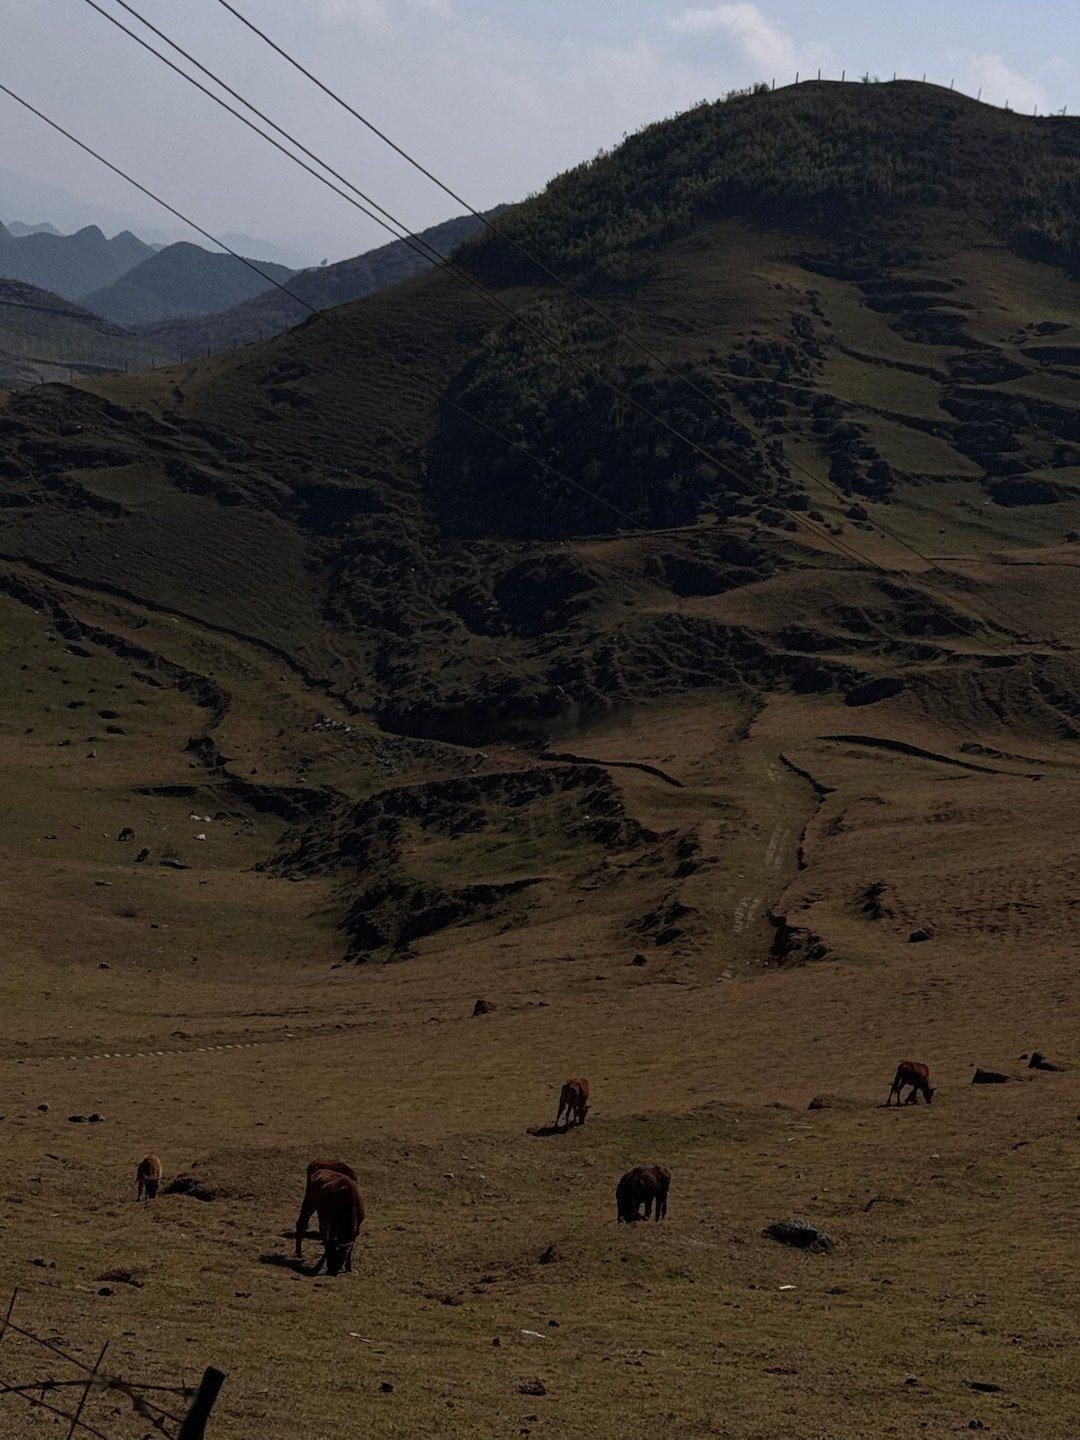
999 83
759 38
379 15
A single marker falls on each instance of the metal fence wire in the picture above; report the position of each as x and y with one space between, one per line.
177 1412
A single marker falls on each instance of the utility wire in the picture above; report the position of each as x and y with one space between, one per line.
599 311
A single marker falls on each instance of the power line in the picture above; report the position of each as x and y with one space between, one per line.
600 312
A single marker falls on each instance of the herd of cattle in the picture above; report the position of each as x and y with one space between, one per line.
332 1190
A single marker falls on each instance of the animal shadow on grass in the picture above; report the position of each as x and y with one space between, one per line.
290 1262
544 1131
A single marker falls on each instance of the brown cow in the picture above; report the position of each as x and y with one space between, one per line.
644 1185
148 1178
573 1102
915 1074
333 1194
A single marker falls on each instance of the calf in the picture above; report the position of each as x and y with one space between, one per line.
148 1178
573 1102
333 1194
911 1072
644 1185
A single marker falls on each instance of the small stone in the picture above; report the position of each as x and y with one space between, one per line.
483 1007
43 1109
76 1119
104 1290
817 1103
923 933
386 1386
988 1077
97 1118
639 960
532 1387
549 1255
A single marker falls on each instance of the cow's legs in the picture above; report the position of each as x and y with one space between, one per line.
302 1223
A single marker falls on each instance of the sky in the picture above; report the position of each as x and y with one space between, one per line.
496 96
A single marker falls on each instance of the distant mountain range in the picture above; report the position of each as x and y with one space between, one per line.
19 227
82 303
70 265
181 280
273 310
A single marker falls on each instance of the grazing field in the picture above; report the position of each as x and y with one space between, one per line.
323 719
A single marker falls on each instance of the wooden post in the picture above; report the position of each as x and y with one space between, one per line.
194 1426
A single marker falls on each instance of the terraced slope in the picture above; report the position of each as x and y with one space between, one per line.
727 785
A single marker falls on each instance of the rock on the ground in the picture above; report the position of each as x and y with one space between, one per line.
800 1233
988 1077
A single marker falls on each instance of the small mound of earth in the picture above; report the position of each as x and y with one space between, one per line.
194 1188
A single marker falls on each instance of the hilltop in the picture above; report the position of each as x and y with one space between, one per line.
396 661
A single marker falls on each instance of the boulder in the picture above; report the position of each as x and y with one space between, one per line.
988 1077
800 1233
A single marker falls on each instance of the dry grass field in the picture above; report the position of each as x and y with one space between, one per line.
673 797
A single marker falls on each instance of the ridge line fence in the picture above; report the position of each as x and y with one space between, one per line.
177 1412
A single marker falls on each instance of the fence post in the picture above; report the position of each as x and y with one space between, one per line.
194 1426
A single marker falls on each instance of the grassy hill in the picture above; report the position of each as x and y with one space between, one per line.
728 785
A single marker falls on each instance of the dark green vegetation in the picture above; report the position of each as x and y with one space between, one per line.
825 154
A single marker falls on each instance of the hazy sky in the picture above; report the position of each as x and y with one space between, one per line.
497 95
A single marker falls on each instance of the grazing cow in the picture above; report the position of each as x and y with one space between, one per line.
573 1102
333 1194
911 1072
644 1185
148 1178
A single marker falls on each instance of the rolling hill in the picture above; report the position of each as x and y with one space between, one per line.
182 280
708 710
44 337
272 311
